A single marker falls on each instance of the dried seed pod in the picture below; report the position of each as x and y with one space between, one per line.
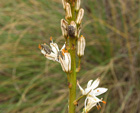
80 16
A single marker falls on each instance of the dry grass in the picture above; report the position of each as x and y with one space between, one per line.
31 84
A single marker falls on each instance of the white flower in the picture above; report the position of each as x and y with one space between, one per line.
81 46
91 93
90 104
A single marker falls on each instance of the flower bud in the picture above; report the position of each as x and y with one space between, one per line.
64 4
77 6
72 29
81 46
64 25
80 16
68 11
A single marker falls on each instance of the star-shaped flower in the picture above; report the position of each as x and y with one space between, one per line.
91 93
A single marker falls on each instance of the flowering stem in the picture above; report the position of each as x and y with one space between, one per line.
72 89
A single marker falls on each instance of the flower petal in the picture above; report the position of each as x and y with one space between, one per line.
90 104
62 64
54 47
95 83
95 99
82 90
86 102
51 56
100 91
69 61
87 90
43 52
63 47
89 83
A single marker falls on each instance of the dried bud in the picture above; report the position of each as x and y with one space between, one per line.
80 16
72 29
77 6
47 52
81 46
64 25
68 11
64 4
65 62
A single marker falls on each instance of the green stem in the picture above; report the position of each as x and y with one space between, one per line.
76 101
72 42
72 89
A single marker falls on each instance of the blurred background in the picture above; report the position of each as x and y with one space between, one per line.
29 83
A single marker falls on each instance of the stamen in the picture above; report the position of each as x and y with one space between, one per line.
39 46
66 51
97 107
51 39
63 52
97 90
104 102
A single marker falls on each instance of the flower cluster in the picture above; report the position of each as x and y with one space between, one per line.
69 29
53 53
73 28
90 92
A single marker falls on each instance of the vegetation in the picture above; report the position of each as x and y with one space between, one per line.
29 83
